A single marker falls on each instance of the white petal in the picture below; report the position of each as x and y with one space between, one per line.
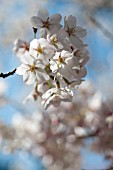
80 32
53 66
36 22
54 28
27 59
71 21
65 54
43 42
34 43
72 61
42 75
56 18
57 54
43 14
22 69
76 41
83 72
30 78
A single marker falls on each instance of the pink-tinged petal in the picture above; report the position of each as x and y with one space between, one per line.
80 32
43 14
36 22
56 18
22 69
71 21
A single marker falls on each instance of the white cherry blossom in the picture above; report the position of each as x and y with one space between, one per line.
73 32
42 50
59 60
31 69
42 20
55 41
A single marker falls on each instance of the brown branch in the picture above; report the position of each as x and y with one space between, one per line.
4 75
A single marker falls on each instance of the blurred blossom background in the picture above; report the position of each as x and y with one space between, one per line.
82 132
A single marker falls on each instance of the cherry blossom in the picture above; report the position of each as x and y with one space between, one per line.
20 47
42 20
55 62
73 32
31 69
42 50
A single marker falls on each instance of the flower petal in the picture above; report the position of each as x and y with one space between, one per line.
71 21
43 14
21 69
56 18
36 22
80 32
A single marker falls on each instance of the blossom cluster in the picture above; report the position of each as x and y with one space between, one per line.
55 62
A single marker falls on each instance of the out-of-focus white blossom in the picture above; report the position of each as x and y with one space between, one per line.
20 47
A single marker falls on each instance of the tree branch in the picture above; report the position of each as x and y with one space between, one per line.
4 75
104 30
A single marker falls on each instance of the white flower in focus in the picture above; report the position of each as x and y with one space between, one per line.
73 32
20 47
59 60
55 41
55 96
43 21
41 49
31 69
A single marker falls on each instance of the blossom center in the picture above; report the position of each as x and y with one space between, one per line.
40 49
32 68
54 40
71 31
46 24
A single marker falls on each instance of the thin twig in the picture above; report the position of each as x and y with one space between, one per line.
104 30
4 75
